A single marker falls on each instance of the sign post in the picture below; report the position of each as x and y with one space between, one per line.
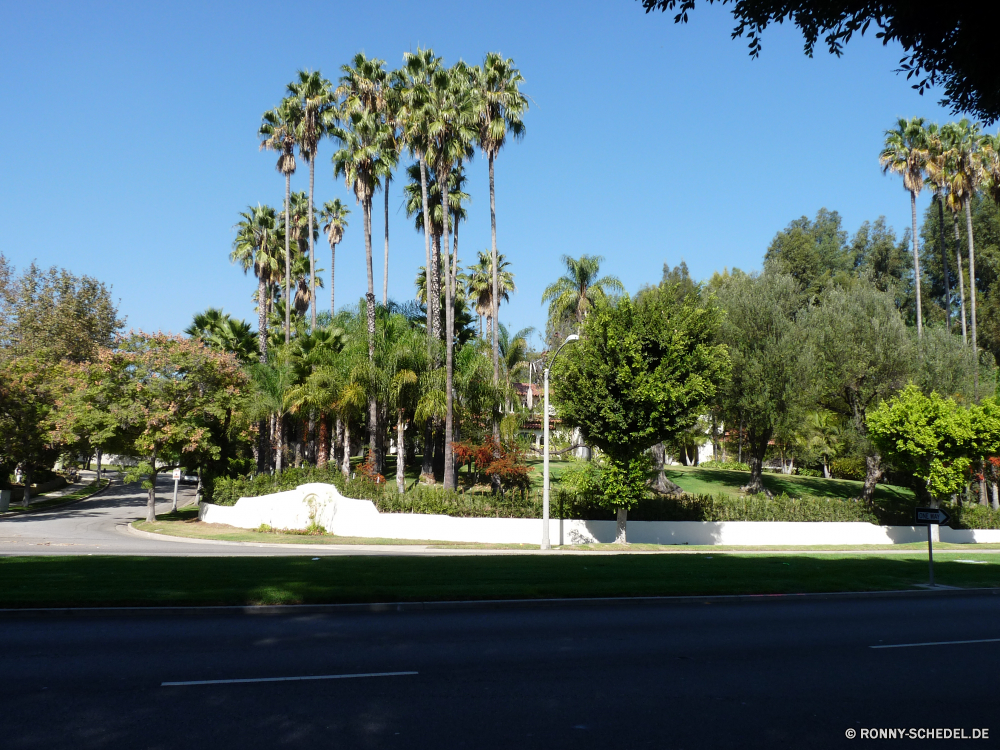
928 517
177 478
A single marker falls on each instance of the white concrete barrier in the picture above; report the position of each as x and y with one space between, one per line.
324 506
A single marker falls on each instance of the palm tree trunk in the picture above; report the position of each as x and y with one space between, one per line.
385 272
944 261
333 266
434 291
312 249
346 465
324 442
449 419
262 320
400 452
288 258
279 458
916 265
495 302
972 299
961 276
427 240
427 467
373 441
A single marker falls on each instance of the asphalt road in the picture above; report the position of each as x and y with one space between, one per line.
620 675
99 526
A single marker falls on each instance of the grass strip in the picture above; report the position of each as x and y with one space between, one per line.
158 581
41 502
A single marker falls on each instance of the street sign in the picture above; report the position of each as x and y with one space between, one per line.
177 473
928 516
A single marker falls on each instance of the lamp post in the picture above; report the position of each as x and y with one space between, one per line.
545 417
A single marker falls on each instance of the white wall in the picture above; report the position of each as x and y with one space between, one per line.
324 505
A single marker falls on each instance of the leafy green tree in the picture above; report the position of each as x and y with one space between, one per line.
905 153
54 313
813 252
950 47
278 132
884 261
926 436
861 355
768 389
28 401
501 107
641 372
334 219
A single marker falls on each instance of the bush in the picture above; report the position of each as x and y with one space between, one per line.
809 472
848 468
974 517
728 465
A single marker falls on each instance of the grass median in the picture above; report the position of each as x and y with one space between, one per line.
159 581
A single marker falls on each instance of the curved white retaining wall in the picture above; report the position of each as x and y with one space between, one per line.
324 505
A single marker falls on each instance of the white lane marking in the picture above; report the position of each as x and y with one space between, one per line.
286 679
938 643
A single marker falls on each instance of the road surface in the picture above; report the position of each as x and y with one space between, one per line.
772 674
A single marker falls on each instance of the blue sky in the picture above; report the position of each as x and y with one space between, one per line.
131 145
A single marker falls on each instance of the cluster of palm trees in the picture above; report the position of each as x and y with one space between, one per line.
956 160
375 116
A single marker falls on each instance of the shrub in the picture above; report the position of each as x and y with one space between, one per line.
974 517
848 468
809 472
728 465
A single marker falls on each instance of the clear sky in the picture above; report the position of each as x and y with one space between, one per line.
131 142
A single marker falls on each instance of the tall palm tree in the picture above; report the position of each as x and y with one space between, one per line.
390 111
316 98
513 351
222 332
501 106
365 143
905 154
278 133
258 237
573 293
450 130
334 220
413 83
937 174
964 142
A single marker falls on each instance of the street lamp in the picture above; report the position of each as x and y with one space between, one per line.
545 416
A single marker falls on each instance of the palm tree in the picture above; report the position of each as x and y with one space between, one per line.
513 351
223 333
480 286
272 384
334 219
315 95
905 153
256 245
278 133
413 83
450 130
501 105
573 293
964 146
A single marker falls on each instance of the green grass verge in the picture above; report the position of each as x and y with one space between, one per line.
158 581
41 502
698 481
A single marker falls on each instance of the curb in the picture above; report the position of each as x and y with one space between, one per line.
11 514
489 604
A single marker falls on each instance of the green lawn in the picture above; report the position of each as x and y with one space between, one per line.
118 581
698 481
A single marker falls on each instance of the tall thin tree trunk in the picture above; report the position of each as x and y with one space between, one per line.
434 291
916 265
26 498
333 266
279 457
495 273
99 456
401 452
620 532
961 276
449 420
324 442
288 257
972 299
373 426
151 496
944 261
427 465
346 465
262 436
312 249
385 272
427 242
996 496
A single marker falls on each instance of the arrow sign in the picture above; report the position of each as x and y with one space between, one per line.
928 516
